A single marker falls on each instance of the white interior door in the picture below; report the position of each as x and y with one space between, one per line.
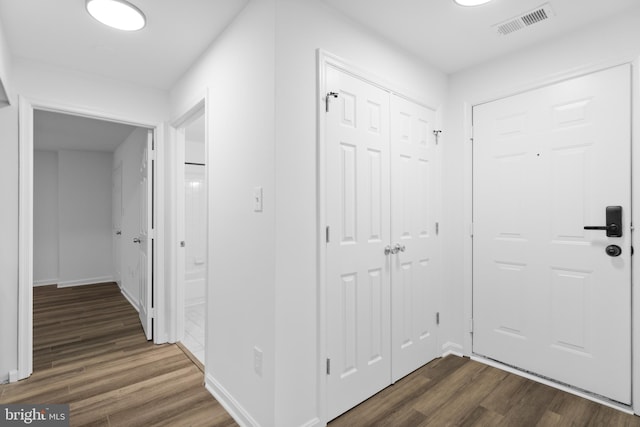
145 239
116 217
358 293
547 298
414 264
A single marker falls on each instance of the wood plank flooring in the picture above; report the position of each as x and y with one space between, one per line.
90 352
456 391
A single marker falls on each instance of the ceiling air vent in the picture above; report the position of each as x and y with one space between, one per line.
539 14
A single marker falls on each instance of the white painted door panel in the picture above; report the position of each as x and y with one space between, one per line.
116 216
547 298
358 305
414 268
145 239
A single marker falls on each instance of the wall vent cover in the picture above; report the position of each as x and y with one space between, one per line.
539 14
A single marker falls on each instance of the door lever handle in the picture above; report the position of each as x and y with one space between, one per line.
612 228
136 240
614 221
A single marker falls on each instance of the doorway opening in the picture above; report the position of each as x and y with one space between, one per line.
80 225
190 137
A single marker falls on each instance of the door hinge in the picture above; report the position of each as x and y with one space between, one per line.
326 99
471 326
437 318
152 313
437 228
471 230
328 366
328 234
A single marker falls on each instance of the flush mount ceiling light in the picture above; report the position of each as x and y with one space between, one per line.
118 14
471 2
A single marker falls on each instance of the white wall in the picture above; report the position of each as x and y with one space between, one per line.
72 217
617 39
238 70
129 156
84 211
9 218
64 88
279 316
302 27
196 234
194 151
45 217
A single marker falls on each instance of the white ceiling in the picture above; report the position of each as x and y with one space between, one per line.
61 32
452 38
448 36
56 131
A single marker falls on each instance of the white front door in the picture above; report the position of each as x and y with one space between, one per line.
358 294
145 239
381 250
547 297
415 262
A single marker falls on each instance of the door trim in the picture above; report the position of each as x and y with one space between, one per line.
25 214
467 345
324 60
199 106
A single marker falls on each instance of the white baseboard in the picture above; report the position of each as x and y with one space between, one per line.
84 282
452 348
45 282
237 412
130 298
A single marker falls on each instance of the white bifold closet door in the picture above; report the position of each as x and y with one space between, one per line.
382 254
548 297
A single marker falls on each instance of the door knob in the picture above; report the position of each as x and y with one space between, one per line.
613 220
136 240
399 248
388 250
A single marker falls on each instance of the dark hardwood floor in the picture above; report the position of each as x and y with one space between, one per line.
456 391
90 352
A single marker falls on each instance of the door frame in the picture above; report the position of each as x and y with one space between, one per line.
199 106
324 60
467 344
26 108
